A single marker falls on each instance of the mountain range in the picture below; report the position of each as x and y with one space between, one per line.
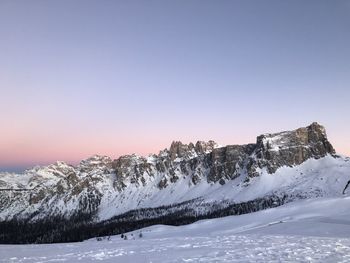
179 185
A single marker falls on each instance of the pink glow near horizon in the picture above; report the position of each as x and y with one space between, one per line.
73 150
79 78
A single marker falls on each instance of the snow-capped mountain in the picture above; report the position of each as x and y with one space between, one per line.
194 180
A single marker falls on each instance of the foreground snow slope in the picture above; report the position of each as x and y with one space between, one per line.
302 231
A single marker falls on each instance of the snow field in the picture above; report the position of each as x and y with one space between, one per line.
315 230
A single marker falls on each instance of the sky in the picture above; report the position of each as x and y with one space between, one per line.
85 77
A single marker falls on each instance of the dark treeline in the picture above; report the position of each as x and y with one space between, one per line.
81 227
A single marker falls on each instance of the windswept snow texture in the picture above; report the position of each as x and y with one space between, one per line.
315 230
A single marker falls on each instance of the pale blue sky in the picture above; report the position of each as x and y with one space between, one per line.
117 77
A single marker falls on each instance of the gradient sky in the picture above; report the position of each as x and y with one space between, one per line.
79 78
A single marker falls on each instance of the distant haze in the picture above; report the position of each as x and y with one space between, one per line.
79 78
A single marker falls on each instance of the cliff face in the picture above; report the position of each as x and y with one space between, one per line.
105 187
290 148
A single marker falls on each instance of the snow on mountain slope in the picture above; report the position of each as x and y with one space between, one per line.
323 177
300 164
315 230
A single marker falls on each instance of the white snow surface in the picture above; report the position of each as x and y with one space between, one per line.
315 230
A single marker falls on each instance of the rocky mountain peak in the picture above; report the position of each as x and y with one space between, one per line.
180 150
95 162
126 161
95 159
205 147
292 147
59 168
305 136
316 133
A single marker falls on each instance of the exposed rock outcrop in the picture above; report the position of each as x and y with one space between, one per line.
290 148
